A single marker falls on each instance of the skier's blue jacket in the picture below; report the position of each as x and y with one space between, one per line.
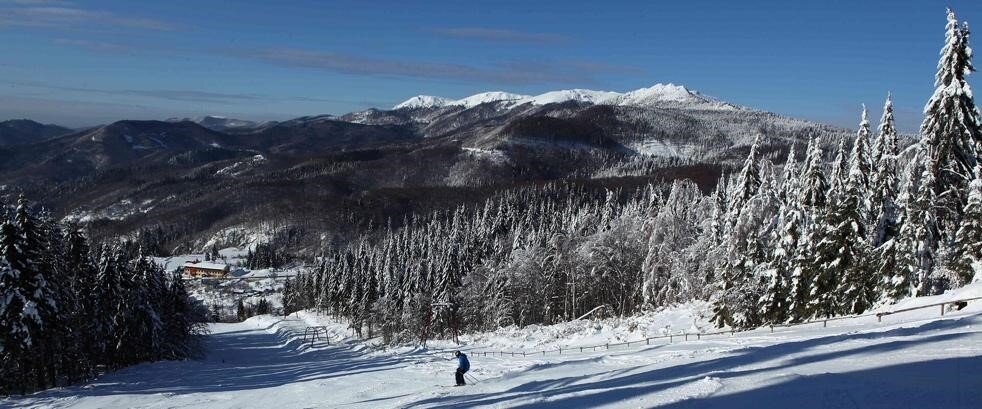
462 363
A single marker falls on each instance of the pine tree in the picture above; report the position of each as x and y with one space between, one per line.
968 240
951 129
814 186
747 185
859 170
734 270
17 318
41 299
926 232
898 264
777 301
840 172
884 184
789 178
718 218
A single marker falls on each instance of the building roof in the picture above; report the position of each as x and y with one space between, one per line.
207 266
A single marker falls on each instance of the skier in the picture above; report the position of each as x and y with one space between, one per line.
463 365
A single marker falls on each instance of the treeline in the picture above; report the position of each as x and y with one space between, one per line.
68 313
266 255
843 231
511 260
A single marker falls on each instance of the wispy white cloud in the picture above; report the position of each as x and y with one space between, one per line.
164 94
515 72
500 35
187 95
38 13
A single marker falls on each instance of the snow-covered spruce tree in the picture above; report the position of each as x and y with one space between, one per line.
814 188
736 283
840 280
110 298
718 216
16 319
747 184
860 169
951 130
884 182
145 301
28 258
858 287
922 213
898 262
776 302
839 172
967 250
812 201
790 185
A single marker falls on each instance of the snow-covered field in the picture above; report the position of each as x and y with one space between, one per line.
911 360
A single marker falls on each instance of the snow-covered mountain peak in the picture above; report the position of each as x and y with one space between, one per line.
582 95
485 97
424 101
661 92
658 95
429 101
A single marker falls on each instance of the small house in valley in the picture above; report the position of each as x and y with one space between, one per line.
205 269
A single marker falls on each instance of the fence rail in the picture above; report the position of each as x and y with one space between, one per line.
960 303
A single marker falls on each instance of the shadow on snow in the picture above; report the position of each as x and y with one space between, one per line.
949 383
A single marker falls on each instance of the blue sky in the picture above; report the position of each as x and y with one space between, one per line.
87 62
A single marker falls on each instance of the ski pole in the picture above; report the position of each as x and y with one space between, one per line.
472 377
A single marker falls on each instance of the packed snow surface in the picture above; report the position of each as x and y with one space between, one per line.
916 359
670 95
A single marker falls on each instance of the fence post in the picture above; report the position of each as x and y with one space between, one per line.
647 341
560 351
772 329
543 352
581 349
825 323
698 336
686 335
608 345
942 310
669 338
879 318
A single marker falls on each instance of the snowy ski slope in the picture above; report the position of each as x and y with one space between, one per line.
911 360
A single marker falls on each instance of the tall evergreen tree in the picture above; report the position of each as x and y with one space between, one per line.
814 185
951 130
967 254
899 266
839 172
884 183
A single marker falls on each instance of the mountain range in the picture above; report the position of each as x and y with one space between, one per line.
657 96
25 131
194 177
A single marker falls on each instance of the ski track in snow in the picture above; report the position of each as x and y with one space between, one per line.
923 361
